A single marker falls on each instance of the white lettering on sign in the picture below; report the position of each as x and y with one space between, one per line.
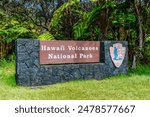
59 52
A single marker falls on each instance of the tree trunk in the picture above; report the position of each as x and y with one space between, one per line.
134 62
138 9
140 30
122 33
104 19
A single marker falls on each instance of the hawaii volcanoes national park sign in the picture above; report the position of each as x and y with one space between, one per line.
59 52
49 62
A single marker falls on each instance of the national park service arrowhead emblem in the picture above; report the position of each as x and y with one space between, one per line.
117 53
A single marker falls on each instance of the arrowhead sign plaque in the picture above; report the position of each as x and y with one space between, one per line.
117 53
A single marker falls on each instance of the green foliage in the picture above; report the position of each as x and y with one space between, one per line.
110 4
80 28
46 36
140 70
126 20
57 16
7 73
12 32
11 29
86 26
146 51
148 39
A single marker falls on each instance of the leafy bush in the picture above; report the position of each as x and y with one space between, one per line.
46 36
13 31
146 51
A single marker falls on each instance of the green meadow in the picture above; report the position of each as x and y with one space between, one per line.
134 86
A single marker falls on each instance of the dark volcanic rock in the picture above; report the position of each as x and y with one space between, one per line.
29 72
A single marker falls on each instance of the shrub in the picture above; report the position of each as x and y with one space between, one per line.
46 36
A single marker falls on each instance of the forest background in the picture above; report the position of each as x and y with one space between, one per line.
96 20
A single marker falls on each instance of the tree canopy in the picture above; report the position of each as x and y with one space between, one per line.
122 20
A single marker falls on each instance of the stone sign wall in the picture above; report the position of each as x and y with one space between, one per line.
29 71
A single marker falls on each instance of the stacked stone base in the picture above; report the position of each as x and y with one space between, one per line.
29 72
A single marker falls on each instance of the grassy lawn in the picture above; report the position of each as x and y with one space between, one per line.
136 85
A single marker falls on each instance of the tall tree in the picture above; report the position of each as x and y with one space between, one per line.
39 12
139 9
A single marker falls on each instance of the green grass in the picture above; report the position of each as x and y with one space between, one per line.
136 85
